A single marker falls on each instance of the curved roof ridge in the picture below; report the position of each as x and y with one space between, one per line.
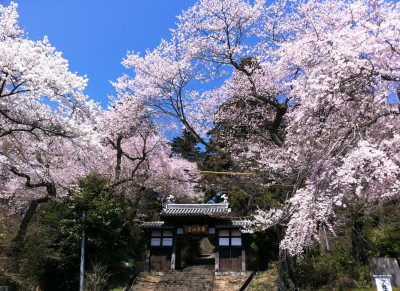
174 209
196 205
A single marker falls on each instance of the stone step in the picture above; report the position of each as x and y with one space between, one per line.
191 279
146 282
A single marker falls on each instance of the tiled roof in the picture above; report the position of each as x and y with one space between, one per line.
171 209
156 224
234 223
227 223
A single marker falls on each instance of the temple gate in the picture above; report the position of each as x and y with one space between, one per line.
181 222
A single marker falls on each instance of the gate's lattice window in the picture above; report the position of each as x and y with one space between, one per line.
230 237
161 238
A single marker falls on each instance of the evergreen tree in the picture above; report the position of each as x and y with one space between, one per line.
52 253
187 147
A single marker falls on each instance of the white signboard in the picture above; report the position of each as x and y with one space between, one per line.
383 282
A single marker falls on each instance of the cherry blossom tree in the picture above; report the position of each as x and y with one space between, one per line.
209 60
211 40
303 92
343 128
311 82
41 105
137 155
51 135
45 125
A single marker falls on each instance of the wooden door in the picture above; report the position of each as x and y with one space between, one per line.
236 259
230 259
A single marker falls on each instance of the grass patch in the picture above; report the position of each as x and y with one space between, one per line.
265 280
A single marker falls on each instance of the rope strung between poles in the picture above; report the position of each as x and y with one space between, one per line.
219 173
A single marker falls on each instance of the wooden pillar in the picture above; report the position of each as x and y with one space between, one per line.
217 256
173 255
148 260
243 259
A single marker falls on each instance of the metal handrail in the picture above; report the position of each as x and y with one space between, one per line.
132 281
247 282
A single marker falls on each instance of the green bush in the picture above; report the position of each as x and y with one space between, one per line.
51 254
336 268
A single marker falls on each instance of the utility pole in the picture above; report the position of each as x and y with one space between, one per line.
82 268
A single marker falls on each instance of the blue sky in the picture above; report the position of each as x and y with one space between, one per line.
95 35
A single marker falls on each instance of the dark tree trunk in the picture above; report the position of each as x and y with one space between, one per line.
17 242
286 277
358 242
15 249
286 267
119 159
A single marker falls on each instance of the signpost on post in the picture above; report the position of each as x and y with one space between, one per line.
383 282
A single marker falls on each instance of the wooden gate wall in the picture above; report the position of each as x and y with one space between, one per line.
160 259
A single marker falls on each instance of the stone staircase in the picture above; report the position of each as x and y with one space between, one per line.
229 282
146 282
199 276
193 278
